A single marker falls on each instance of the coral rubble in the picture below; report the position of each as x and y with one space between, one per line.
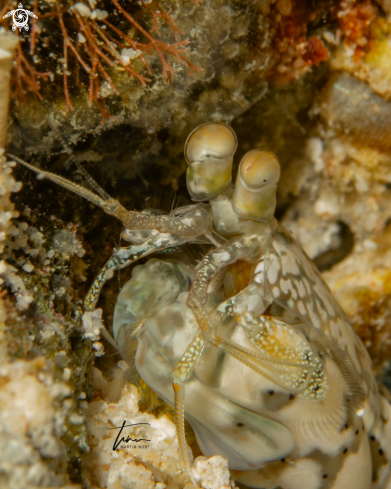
154 463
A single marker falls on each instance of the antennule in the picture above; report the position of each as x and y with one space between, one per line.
91 181
73 187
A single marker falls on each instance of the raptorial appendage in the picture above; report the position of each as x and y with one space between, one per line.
296 414
126 256
165 332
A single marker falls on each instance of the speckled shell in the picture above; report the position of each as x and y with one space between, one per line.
287 275
164 328
248 418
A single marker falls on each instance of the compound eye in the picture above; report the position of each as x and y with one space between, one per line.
212 141
259 168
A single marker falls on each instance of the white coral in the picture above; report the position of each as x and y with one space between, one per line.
131 465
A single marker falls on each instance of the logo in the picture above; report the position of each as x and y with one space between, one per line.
21 18
123 442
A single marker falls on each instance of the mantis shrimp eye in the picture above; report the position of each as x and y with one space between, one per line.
255 188
214 140
259 169
209 152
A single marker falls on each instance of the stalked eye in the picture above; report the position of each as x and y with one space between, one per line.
259 168
211 141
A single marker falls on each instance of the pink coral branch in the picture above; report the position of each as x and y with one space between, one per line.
166 66
108 47
33 29
135 45
70 44
27 75
159 13
101 48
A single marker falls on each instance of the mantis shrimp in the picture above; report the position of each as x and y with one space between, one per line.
284 326
271 437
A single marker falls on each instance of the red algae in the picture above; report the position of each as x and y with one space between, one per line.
297 52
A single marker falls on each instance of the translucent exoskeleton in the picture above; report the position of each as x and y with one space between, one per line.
282 281
152 308
271 437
